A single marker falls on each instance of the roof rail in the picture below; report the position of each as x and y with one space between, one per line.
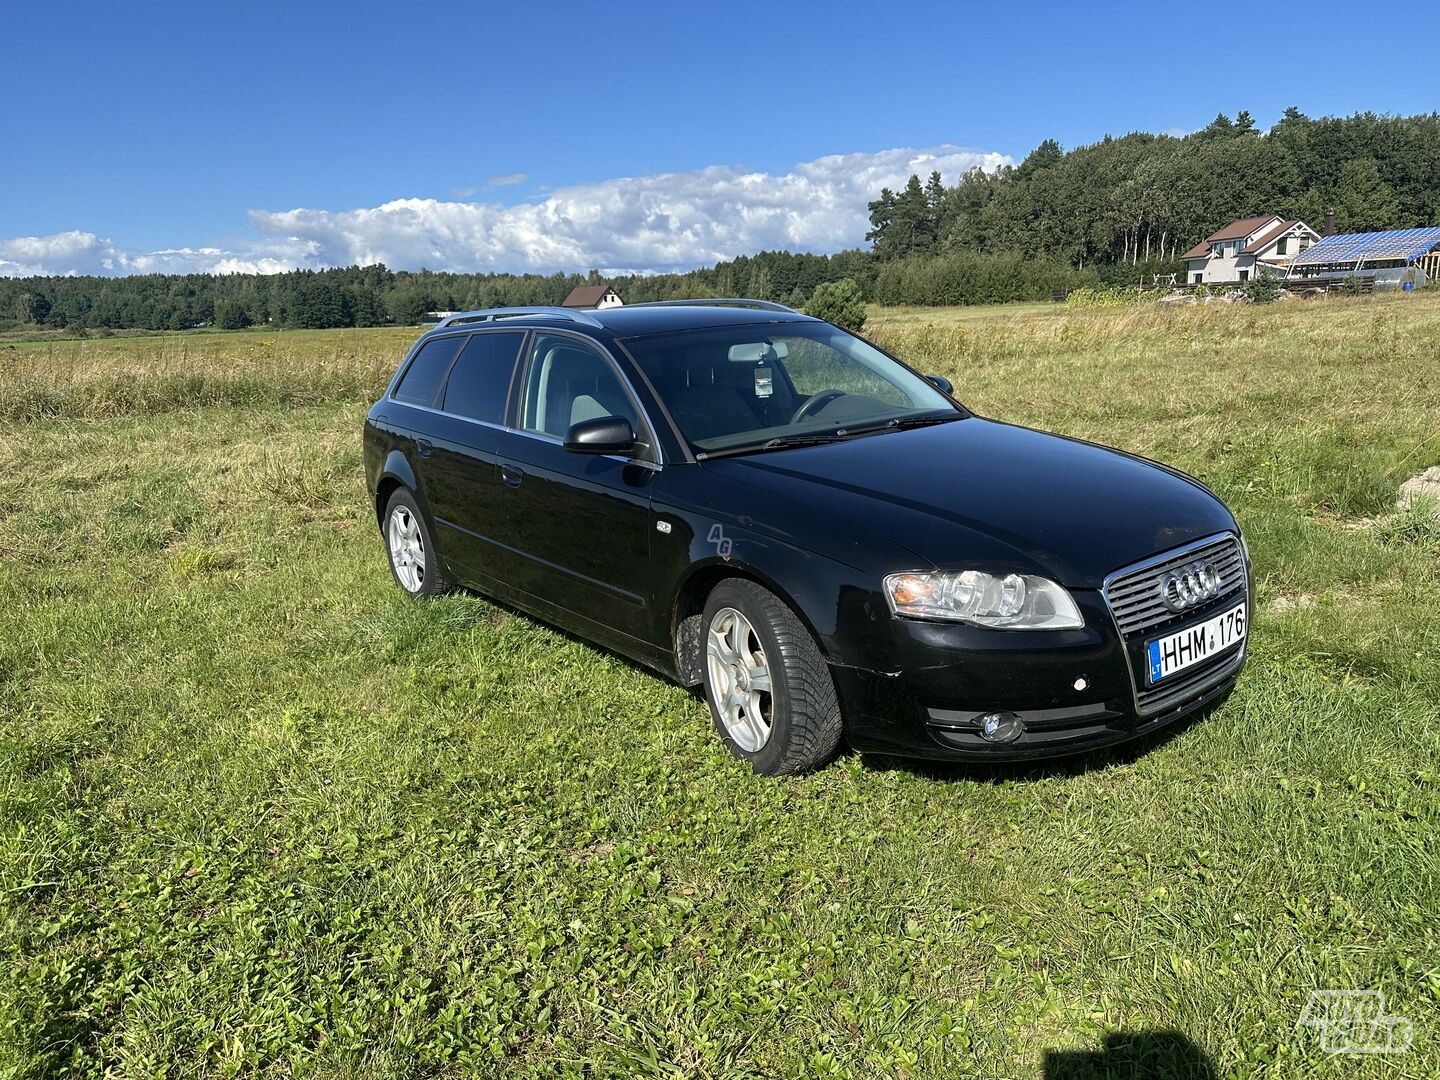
496 314
719 301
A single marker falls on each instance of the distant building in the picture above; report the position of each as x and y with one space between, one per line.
592 296
436 316
1247 247
1387 260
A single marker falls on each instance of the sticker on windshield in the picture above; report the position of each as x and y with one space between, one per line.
764 382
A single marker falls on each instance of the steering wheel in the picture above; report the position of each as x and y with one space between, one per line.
815 403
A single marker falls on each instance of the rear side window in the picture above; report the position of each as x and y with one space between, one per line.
422 377
479 382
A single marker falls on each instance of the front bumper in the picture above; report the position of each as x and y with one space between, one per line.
1073 690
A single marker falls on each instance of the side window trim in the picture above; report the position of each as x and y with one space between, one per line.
515 419
415 351
439 400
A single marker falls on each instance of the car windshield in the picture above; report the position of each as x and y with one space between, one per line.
738 388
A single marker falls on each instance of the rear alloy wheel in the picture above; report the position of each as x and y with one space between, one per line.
412 555
769 689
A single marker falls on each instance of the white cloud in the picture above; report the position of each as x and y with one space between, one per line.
73 253
506 180
669 221
463 192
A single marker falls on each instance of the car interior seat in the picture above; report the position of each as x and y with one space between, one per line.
574 385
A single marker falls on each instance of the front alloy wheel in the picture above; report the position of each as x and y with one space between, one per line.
740 679
768 686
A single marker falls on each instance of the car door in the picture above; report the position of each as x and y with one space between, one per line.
461 456
578 524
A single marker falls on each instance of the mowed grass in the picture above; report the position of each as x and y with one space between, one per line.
261 815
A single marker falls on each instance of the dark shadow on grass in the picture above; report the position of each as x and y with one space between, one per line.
1133 1055
999 772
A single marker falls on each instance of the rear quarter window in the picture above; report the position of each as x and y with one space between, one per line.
422 378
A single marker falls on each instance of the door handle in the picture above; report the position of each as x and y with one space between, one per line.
426 446
511 475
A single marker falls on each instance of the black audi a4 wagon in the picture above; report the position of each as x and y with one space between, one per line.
760 503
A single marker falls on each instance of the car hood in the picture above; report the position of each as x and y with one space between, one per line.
978 493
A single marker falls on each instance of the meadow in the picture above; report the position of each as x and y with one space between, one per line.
262 815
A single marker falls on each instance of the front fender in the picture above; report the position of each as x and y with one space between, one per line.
841 607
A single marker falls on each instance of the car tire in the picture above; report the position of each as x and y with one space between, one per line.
413 561
793 725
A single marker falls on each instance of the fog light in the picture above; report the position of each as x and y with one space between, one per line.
1001 727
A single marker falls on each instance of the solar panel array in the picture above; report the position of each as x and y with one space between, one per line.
1406 244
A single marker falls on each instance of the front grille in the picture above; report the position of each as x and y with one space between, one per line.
1140 615
1134 597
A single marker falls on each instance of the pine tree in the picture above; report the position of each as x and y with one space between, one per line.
882 212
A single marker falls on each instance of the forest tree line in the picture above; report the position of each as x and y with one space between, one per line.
1152 197
377 296
1115 211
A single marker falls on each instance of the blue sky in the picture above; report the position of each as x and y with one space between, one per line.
155 126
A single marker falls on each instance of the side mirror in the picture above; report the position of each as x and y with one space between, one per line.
602 435
940 383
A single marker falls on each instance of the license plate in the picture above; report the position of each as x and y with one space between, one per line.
1195 644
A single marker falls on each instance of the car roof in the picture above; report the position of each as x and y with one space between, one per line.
636 319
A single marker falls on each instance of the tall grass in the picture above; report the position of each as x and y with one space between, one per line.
110 377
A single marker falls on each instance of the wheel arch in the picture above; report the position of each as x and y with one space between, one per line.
688 609
396 473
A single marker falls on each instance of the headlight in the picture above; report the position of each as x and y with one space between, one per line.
1012 602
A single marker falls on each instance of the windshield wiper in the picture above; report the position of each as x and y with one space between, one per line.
922 421
899 423
780 442
813 439
817 438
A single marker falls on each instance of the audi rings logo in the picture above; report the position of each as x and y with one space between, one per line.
1190 585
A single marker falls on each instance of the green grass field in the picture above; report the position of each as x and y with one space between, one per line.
261 815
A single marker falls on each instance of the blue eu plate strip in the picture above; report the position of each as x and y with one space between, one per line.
1155 661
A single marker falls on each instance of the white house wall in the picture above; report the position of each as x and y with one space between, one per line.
1225 269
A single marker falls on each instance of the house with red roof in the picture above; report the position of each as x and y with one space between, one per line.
592 296
1245 248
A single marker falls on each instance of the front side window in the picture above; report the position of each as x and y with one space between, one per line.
479 383
422 378
741 386
567 382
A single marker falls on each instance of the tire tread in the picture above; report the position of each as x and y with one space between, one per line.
815 724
